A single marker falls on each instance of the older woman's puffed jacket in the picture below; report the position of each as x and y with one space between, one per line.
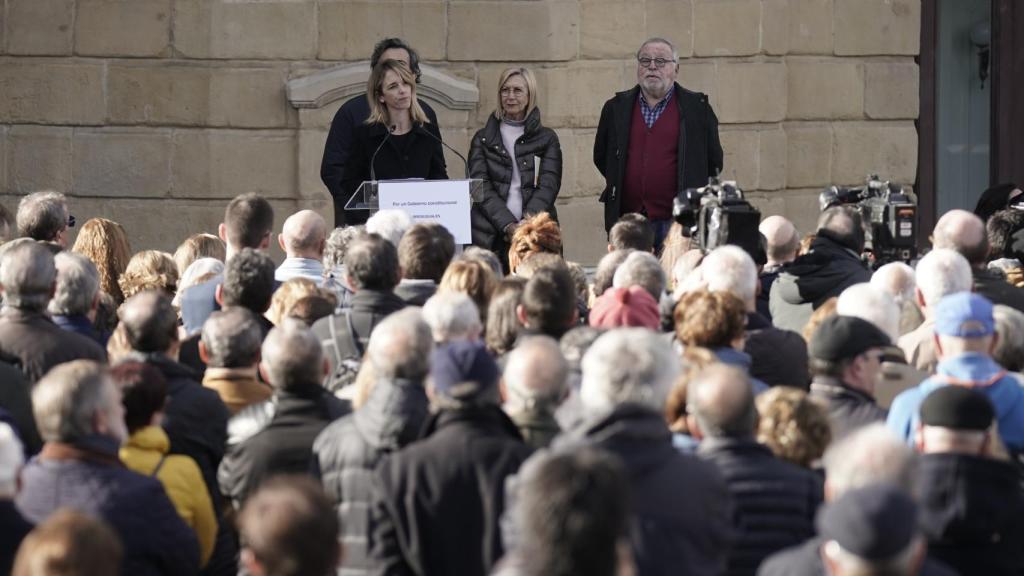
489 161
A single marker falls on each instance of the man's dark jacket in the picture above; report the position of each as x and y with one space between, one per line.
339 140
848 408
681 505
972 509
807 282
89 478
805 560
700 152
774 502
276 437
39 344
368 308
13 529
347 452
778 357
415 292
199 302
994 286
491 162
16 399
438 501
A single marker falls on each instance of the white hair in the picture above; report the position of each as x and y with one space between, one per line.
628 365
400 346
868 455
197 269
452 316
942 272
731 269
897 279
78 282
869 303
12 457
390 225
641 269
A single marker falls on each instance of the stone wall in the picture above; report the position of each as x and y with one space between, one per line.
154 112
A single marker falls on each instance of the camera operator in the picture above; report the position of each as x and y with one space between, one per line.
832 265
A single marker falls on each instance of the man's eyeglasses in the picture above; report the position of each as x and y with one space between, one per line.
658 62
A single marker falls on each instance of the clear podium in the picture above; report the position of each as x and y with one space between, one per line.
446 202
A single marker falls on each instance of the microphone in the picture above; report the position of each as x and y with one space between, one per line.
465 163
373 172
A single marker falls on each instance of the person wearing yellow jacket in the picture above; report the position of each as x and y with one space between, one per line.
144 394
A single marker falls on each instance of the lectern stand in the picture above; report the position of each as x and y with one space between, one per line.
447 202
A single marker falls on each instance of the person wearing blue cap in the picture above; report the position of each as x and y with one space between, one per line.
965 336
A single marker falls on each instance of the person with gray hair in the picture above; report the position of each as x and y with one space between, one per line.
81 417
641 269
335 273
43 216
897 279
276 436
965 233
627 374
722 415
346 452
939 273
535 382
452 316
13 526
1009 351
77 296
28 279
390 225
230 348
303 239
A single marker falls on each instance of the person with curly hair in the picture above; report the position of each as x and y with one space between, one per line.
147 270
535 234
106 244
793 425
716 321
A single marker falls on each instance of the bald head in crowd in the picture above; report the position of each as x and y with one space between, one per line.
292 357
304 235
721 403
963 232
782 238
150 323
535 374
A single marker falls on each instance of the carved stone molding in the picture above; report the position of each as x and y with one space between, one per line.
326 86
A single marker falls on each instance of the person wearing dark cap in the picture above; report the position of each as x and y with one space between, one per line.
965 337
437 502
846 363
971 502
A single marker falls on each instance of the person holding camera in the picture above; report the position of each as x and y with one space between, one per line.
654 141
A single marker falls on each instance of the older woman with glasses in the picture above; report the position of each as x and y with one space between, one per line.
519 161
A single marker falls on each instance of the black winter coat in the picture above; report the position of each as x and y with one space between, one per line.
681 505
339 140
13 529
39 344
422 157
774 502
491 162
16 399
778 357
438 501
805 560
994 286
347 452
367 309
700 151
972 510
848 408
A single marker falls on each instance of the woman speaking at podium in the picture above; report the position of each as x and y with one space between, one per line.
519 161
397 140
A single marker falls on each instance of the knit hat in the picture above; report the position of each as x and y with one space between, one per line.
957 408
622 307
462 369
964 315
844 337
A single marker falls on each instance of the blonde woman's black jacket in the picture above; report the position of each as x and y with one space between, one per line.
539 157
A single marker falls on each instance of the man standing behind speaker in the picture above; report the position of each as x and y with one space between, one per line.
350 116
654 141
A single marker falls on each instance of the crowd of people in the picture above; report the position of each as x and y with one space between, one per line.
385 402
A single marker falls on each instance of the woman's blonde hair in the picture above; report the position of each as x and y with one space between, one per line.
105 243
793 425
149 269
535 234
531 88
291 292
375 88
198 246
472 278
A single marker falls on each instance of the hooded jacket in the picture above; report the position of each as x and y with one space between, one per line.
346 453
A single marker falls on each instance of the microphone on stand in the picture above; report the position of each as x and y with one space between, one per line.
465 163
373 172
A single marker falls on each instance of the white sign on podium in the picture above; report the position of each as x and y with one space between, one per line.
446 202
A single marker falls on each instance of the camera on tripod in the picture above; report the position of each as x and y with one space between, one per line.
716 215
889 214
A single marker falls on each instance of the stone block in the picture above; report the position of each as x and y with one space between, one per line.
825 88
313 118
226 29
768 203
40 27
610 29
751 92
3 157
121 162
801 208
797 26
225 163
311 153
864 27
741 149
671 19
250 98
699 77
158 94
123 28
39 158
883 148
48 93
579 176
584 239
771 173
726 27
543 31
891 90
808 155
348 30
